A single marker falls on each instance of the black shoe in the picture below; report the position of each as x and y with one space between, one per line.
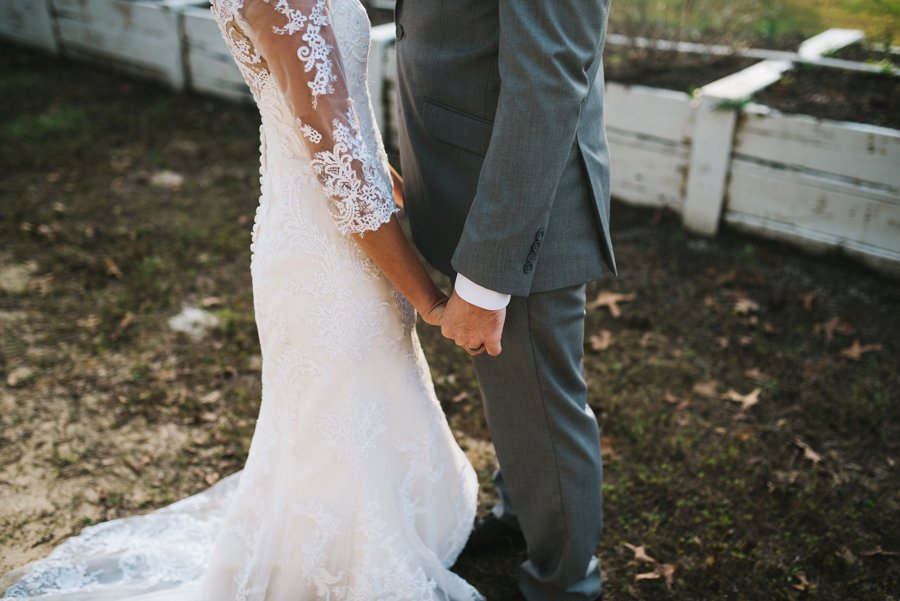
490 533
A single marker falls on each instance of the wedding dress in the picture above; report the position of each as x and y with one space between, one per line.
354 488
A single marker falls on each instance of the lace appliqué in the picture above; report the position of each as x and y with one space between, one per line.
359 205
315 55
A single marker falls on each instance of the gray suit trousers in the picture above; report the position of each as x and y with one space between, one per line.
548 443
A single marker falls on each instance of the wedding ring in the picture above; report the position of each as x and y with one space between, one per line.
474 350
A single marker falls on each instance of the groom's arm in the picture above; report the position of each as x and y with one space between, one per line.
546 51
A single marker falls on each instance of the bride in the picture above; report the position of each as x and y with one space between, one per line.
354 488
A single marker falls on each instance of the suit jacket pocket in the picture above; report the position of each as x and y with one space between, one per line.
457 128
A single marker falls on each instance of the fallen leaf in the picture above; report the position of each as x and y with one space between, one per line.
211 478
847 555
745 306
112 269
640 553
611 300
208 416
803 583
19 376
211 301
707 389
460 397
679 403
168 180
90 322
746 400
808 452
808 299
709 302
660 570
877 550
835 324
855 351
601 341
745 340
722 341
727 276
126 320
754 374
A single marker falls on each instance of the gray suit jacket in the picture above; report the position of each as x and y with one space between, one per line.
502 143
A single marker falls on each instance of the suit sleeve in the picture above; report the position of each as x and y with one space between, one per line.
296 40
546 52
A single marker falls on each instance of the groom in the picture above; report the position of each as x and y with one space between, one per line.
506 175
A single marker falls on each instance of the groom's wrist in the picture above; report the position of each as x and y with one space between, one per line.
478 295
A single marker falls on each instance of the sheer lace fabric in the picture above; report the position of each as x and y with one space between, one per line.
354 488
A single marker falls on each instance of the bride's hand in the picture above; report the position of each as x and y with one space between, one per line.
433 315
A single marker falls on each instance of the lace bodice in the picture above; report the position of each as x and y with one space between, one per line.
305 62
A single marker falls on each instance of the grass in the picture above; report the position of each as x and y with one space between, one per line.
756 21
795 497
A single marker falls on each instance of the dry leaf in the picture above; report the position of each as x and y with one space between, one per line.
211 301
660 570
90 322
677 401
211 478
877 550
847 555
640 553
460 397
727 276
745 306
802 583
808 453
746 400
168 180
112 269
808 299
611 300
601 341
208 416
709 302
707 389
835 324
855 351
754 374
722 341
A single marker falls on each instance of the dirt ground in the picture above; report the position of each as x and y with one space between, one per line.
747 392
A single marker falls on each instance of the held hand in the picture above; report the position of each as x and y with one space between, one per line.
471 326
434 315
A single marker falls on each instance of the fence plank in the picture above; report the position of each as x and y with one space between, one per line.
28 22
816 208
647 173
850 150
210 66
650 112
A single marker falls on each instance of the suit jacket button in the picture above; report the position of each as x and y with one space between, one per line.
532 256
539 235
536 246
529 266
400 32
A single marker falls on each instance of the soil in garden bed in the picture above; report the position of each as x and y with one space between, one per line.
866 54
670 70
834 94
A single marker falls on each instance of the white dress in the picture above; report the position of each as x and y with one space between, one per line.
354 488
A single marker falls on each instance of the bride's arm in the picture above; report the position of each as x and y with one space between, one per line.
296 39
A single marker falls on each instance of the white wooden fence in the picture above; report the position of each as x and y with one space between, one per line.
712 158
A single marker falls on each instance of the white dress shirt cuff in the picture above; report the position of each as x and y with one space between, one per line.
478 295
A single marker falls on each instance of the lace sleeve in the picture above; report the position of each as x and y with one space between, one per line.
297 41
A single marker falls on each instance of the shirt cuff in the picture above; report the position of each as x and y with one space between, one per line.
478 295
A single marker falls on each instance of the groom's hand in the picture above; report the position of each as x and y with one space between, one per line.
471 326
